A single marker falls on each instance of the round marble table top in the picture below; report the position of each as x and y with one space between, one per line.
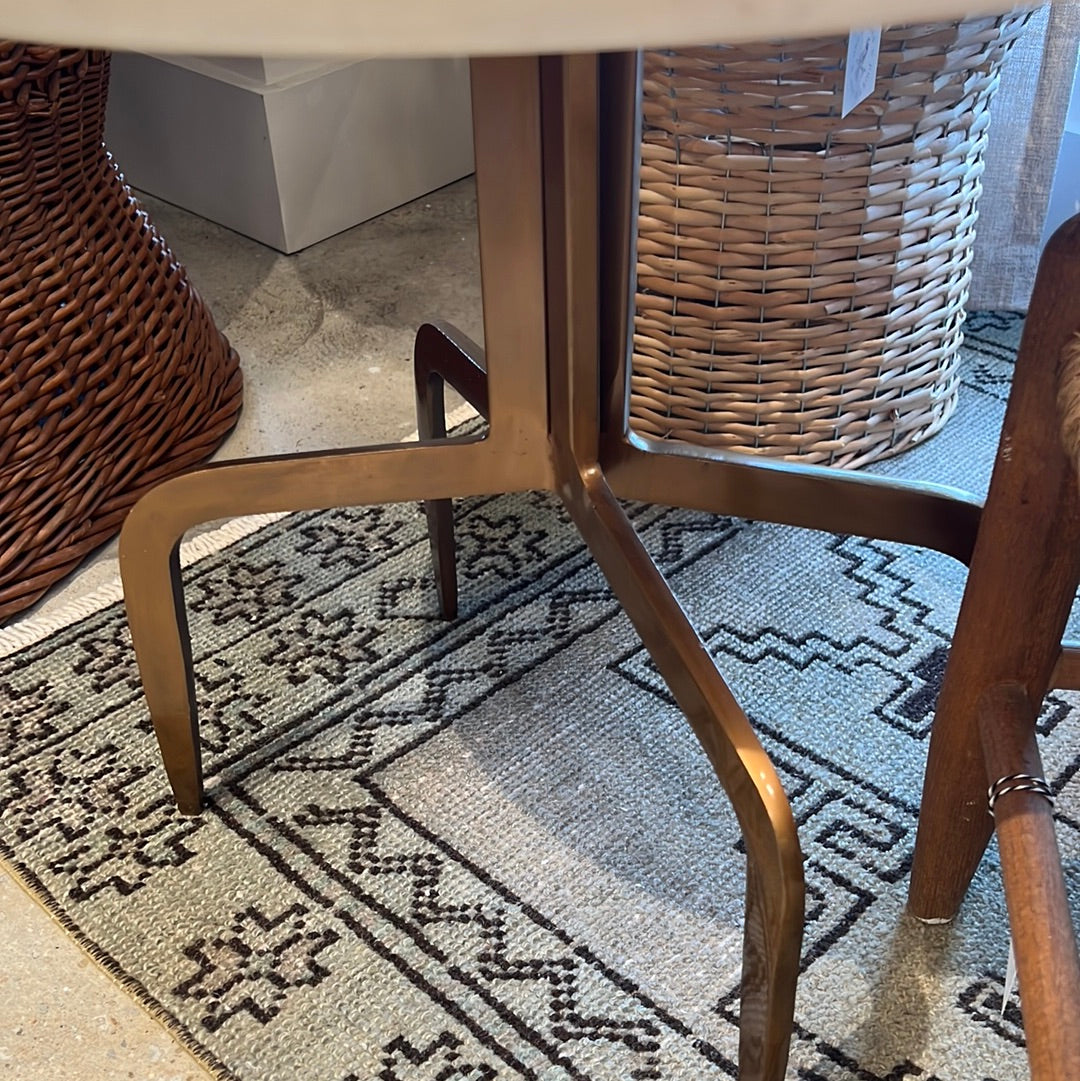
354 28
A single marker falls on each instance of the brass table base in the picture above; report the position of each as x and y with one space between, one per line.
555 265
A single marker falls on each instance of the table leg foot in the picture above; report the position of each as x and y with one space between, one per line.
443 355
150 564
775 886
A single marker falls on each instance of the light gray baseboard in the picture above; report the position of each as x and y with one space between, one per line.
289 153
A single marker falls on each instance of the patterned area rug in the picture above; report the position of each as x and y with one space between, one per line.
492 849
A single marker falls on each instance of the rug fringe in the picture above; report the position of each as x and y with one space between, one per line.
34 888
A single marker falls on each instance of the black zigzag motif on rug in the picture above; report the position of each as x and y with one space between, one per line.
440 1059
991 339
393 878
905 645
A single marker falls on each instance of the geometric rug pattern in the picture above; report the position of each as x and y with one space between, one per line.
491 848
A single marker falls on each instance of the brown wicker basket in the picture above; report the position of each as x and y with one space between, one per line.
112 374
802 277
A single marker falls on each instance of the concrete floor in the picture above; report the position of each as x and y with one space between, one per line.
325 340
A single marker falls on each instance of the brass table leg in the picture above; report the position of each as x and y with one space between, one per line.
513 457
772 934
444 354
788 493
149 551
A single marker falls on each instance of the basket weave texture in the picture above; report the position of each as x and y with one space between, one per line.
802 276
112 373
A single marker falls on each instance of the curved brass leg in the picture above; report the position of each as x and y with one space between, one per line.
774 886
810 496
442 354
149 545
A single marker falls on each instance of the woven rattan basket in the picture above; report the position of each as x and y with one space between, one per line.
112 374
802 277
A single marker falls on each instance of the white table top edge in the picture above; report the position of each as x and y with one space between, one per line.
344 28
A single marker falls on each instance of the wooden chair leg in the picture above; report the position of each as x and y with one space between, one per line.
1046 956
1023 577
443 355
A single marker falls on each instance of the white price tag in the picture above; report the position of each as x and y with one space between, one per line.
1010 978
860 67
